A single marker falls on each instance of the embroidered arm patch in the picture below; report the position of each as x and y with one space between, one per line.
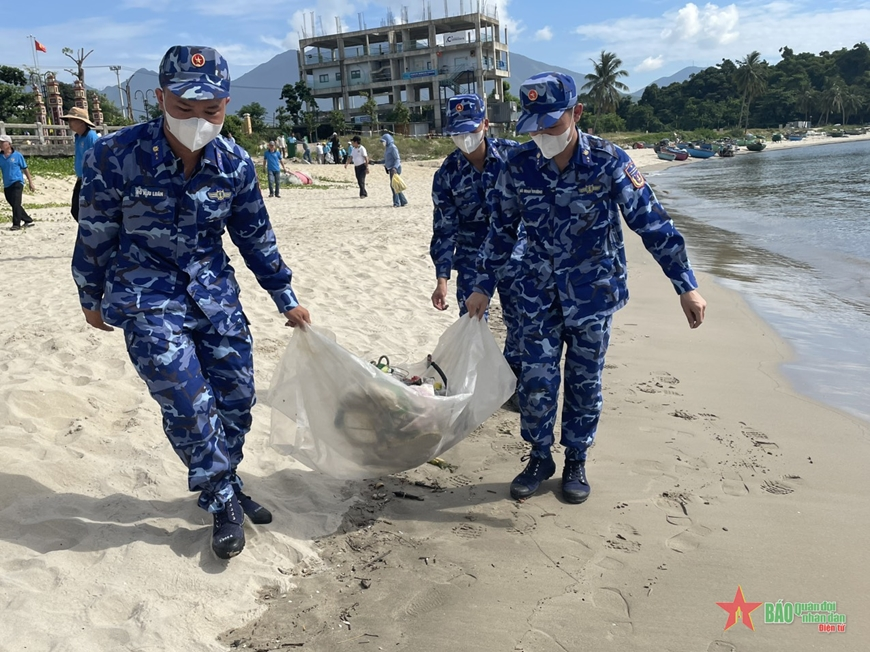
634 175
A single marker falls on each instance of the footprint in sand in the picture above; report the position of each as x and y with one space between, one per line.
688 540
436 596
460 481
776 487
609 563
623 538
469 530
734 487
720 646
759 439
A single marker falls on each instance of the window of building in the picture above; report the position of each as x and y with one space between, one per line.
355 74
324 78
338 76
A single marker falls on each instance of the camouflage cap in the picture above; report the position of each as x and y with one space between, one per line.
195 72
465 113
544 98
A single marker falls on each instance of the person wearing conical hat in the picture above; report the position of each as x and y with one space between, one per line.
85 138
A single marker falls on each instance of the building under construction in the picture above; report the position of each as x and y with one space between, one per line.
421 64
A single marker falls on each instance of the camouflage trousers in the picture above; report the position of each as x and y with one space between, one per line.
544 337
507 296
204 384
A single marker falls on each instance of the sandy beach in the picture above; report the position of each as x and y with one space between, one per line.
709 471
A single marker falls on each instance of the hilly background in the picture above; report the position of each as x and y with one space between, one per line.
263 84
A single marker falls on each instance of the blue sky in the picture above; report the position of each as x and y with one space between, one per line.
654 38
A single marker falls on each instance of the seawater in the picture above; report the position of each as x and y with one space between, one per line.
790 231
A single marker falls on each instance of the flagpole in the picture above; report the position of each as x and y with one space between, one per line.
33 47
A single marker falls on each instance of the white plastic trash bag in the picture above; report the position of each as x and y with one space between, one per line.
345 417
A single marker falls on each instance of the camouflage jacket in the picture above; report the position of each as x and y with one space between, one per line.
572 222
461 215
149 239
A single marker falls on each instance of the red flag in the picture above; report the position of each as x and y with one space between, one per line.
39 46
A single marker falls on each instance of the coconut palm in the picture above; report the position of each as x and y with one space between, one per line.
603 84
751 80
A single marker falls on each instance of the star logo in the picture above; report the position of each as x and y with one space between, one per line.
739 609
198 60
533 95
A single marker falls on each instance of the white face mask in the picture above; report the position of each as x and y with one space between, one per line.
552 146
468 143
193 133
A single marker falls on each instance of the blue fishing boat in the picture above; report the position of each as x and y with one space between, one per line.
666 155
697 152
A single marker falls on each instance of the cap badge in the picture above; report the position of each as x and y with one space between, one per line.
533 95
459 108
198 60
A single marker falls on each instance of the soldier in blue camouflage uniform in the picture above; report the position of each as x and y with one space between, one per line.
461 216
156 200
567 189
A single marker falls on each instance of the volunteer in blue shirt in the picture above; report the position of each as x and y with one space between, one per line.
14 170
85 138
273 162
156 201
568 189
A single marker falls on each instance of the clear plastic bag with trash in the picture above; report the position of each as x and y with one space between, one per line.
351 419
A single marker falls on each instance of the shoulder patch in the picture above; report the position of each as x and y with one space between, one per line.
634 175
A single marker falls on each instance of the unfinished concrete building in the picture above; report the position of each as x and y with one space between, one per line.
421 64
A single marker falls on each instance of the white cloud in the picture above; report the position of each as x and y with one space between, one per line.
650 63
704 26
704 35
544 34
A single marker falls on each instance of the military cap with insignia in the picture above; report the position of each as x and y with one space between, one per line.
195 72
544 98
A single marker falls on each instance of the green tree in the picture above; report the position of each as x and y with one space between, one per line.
751 81
400 116
258 114
370 108
603 85
336 120
233 125
296 97
311 118
508 97
112 115
16 104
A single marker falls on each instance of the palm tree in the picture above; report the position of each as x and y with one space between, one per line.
806 100
603 84
832 99
751 81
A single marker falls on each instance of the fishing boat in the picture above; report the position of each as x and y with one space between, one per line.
795 137
697 152
679 154
666 155
757 146
726 151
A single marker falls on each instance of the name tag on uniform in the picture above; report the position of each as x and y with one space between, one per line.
530 191
219 195
140 192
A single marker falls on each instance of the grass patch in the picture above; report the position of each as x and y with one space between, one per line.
57 168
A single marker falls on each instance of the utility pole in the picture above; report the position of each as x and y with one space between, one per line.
117 71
